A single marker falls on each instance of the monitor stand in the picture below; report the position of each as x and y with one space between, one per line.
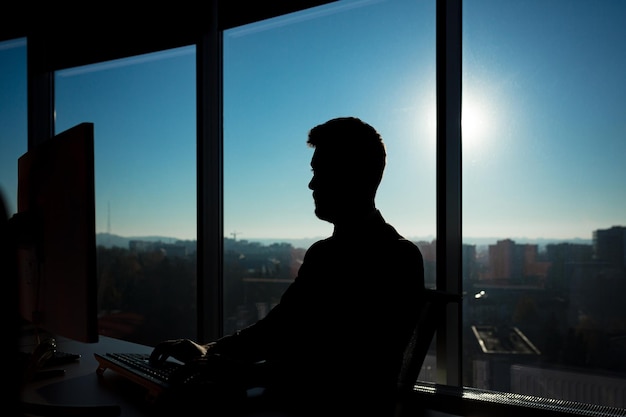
42 363
44 360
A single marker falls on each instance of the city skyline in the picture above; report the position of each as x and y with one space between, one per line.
108 239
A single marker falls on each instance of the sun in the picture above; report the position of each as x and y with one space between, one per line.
476 123
479 120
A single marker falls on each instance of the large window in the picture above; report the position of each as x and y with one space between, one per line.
544 200
283 76
143 110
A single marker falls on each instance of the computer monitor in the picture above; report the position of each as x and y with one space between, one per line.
55 223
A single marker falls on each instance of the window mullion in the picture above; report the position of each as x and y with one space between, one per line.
448 38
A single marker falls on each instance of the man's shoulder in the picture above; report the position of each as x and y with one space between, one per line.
399 245
321 245
394 235
407 243
407 247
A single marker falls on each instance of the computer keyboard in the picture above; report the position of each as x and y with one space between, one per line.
137 368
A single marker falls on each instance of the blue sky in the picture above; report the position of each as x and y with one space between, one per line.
544 119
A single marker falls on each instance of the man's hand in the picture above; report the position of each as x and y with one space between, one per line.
184 350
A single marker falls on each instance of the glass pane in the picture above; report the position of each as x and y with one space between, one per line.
144 115
13 119
544 201
283 76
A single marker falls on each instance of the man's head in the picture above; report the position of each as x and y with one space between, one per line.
348 165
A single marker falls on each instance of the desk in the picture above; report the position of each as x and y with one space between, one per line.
80 386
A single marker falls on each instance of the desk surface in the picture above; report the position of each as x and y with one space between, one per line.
82 387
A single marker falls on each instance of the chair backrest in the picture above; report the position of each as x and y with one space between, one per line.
431 314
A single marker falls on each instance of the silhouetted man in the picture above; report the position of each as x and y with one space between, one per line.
334 343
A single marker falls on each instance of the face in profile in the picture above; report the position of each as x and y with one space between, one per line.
333 187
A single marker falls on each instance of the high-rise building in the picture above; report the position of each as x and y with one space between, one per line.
609 245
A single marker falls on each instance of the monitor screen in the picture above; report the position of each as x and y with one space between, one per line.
57 245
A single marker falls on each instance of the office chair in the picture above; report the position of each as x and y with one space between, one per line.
430 316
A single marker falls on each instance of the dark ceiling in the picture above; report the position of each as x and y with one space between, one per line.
90 32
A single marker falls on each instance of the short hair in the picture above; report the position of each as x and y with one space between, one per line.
353 143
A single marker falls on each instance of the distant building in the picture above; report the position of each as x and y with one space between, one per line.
609 245
469 265
570 385
168 249
139 245
500 347
560 255
504 340
510 262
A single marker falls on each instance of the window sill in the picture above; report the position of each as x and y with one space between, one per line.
475 402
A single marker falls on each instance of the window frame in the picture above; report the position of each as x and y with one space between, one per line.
449 15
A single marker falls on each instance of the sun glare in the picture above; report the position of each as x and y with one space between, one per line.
475 123
478 121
